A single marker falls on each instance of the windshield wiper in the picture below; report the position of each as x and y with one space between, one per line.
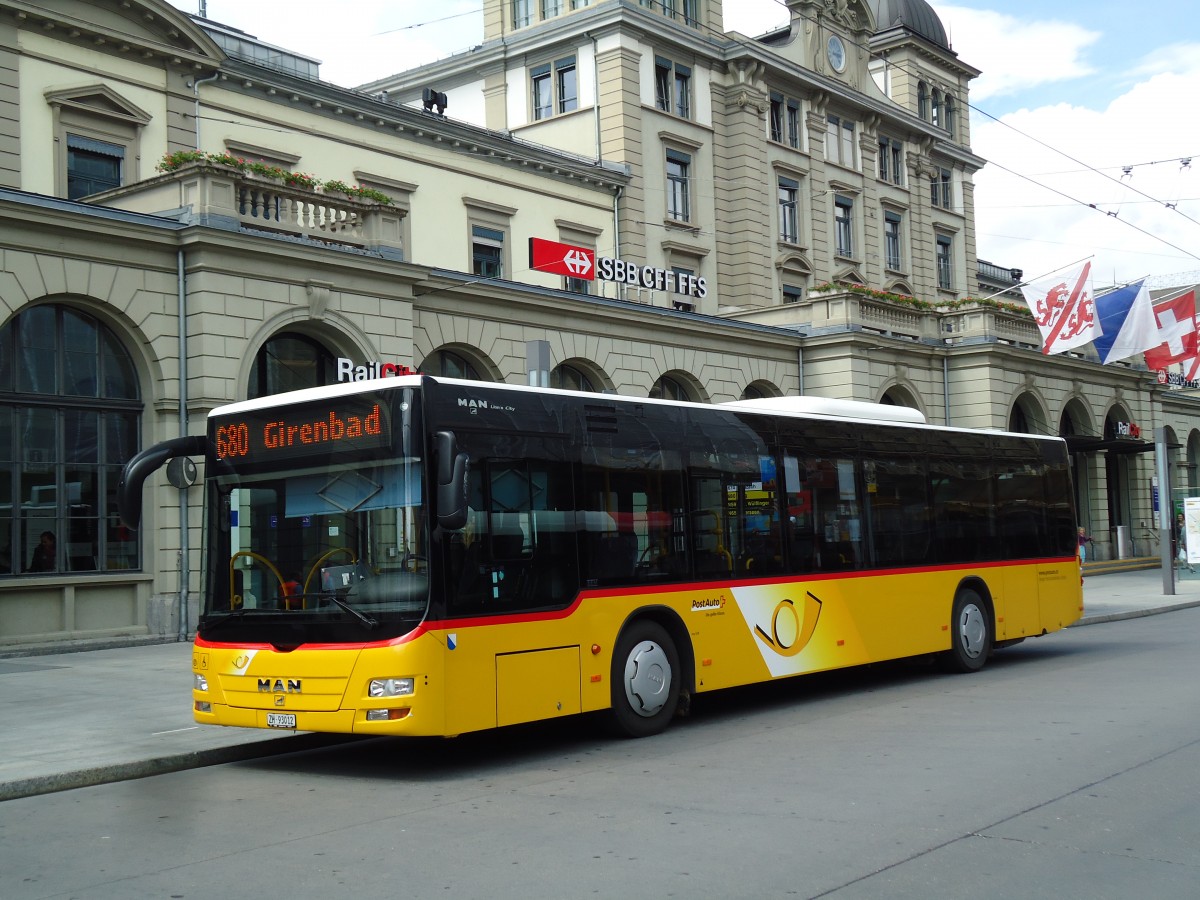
213 621
368 622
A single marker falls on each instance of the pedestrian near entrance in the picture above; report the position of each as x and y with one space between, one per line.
1084 539
1181 558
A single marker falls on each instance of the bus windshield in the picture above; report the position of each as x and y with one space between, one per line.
325 548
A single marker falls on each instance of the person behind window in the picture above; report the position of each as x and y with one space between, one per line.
291 593
44 554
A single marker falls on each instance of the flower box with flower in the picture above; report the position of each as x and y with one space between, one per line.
300 180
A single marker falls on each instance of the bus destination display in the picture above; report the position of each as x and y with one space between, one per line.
286 432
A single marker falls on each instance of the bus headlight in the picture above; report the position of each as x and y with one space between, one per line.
390 687
199 682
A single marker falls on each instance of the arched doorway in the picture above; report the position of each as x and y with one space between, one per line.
1026 416
1118 470
897 395
1074 423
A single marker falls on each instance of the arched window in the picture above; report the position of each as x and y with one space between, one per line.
449 364
936 118
289 362
948 114
922 100
753 392
668 388
70 413
571 378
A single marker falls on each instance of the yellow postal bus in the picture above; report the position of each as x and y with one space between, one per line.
427 556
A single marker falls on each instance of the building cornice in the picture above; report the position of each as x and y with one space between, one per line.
164 35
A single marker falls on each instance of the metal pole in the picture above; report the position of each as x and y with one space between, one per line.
1165 524
184 562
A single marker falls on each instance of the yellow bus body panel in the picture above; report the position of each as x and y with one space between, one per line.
473 674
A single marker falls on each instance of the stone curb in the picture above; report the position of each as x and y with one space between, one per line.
196 759
1133 613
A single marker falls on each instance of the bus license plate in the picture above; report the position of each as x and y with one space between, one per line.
281 720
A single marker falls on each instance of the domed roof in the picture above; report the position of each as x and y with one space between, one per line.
915 15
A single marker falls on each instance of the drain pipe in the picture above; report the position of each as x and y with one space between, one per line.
196 82
617 288
946 386
184 562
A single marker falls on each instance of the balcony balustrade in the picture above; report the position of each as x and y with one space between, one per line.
219 196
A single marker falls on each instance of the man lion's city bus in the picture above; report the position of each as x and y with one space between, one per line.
426 556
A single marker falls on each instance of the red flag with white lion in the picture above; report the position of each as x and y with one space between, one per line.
1064 308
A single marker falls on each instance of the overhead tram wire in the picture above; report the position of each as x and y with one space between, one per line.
1096 208
1101 173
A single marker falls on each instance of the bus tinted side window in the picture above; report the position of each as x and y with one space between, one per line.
963 528
1021 509
517 550
897 495
824 524
1060 512
632 524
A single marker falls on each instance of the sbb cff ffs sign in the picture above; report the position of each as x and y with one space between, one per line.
580 262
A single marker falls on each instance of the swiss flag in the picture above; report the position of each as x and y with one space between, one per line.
1177 327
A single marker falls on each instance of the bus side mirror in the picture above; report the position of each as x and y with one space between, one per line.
452 471
138 469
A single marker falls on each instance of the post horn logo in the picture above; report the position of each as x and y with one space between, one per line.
790 630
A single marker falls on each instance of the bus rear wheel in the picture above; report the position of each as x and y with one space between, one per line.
645 680
970 633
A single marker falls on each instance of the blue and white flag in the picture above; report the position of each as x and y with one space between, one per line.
1127 322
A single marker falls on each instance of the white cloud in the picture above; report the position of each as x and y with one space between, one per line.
1015 54
754 17
1131 232
1182 57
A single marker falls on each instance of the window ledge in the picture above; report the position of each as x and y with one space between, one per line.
680 225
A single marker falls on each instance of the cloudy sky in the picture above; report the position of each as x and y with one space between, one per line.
1087 112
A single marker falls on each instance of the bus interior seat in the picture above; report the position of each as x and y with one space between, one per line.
711 557
612 555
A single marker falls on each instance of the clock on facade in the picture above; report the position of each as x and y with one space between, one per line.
836 51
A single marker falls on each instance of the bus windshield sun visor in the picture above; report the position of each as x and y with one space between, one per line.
139 468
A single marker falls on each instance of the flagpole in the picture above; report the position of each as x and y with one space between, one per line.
1121 287
1021 284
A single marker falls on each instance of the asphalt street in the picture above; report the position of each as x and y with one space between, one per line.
98 715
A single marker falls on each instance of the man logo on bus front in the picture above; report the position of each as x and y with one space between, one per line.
789 632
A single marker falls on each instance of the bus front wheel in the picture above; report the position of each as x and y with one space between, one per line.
970 633
645 680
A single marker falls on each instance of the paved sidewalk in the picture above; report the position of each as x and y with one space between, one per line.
70 720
